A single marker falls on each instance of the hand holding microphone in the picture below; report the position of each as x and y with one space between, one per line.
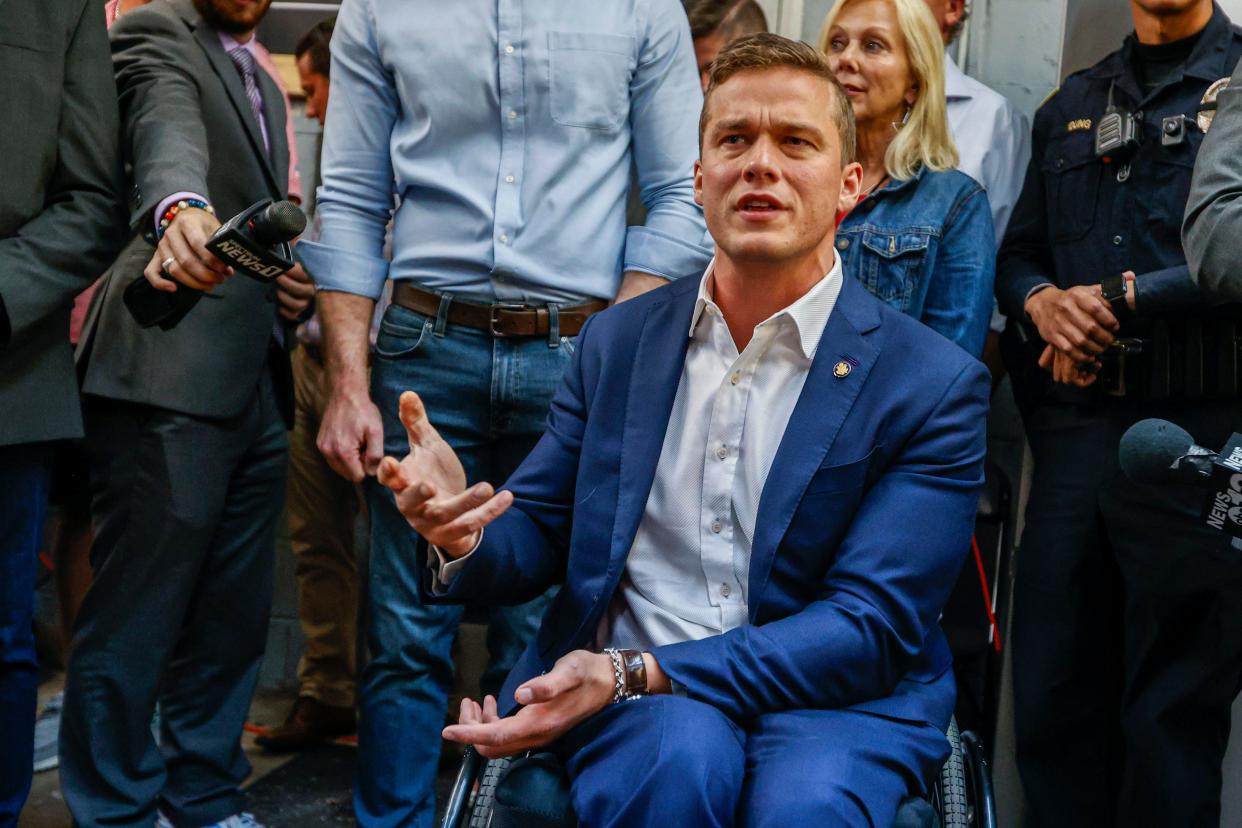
200 253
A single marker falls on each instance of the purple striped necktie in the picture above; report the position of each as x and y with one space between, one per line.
244 61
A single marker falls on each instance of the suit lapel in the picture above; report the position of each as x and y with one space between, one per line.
654 377
223 66
276 117
817 417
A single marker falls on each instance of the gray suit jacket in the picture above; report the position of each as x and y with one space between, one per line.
1212 231
188 126
61 213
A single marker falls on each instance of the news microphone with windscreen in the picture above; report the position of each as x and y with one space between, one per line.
1158 452
254 242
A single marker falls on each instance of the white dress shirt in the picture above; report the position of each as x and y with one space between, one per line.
993 139
687 571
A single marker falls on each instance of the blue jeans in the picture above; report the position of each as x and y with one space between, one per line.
488 397
24 473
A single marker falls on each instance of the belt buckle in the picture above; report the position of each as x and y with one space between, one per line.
1113 372
495 310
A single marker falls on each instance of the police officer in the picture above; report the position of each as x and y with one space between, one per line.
1127 637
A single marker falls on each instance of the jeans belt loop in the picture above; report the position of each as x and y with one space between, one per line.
554 325
442 313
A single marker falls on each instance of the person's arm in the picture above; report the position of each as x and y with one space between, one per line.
1004 165
664 102
523 552
1024 262
959 298
347 261
1075 320
1212 231
65 247
882 595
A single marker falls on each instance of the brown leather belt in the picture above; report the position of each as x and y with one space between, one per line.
503 319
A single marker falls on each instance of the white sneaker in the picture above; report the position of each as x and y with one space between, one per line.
242 820
47 734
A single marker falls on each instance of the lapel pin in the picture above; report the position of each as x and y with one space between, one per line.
841 370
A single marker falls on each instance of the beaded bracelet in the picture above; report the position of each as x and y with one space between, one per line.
177 207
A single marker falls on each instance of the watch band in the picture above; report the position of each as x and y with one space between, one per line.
629 674
635 673
1113 287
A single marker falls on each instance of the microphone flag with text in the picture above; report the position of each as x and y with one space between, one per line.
256 242
1158 452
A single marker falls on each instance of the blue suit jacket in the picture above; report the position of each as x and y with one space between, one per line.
863 524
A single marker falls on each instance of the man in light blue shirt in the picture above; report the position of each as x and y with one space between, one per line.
507 129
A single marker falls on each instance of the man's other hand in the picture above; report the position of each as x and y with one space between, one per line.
430 487
184 247
1066 370
578 686
351 436
295 291
1077 321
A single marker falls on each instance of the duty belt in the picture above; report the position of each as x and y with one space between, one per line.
501 319
1186 359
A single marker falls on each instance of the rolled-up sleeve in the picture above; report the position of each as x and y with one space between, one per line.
355 200
665 97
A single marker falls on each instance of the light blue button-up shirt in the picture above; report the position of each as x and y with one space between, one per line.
507 128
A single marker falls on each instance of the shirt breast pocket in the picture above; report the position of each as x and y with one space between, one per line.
1072 175
589 79
893 262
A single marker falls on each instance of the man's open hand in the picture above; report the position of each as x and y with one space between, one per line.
579 686
430 487
185 243
1077 321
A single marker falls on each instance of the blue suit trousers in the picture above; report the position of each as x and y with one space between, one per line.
666 760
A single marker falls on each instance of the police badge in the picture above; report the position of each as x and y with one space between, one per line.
1207 106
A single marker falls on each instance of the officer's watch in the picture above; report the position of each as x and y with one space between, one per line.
1113 287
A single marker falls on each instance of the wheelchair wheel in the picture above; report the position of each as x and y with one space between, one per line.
954 808
485 798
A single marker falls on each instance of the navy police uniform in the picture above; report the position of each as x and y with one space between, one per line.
1127 636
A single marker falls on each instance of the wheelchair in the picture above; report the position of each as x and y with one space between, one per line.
532 792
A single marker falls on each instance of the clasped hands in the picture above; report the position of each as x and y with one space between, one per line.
184 247
1078 326
429 487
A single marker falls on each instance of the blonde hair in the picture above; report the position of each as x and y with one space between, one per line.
924 139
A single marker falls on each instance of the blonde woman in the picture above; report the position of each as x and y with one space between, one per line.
921 236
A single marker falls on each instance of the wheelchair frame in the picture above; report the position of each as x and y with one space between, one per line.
962 796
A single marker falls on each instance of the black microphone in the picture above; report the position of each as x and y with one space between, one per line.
1158 452
254 242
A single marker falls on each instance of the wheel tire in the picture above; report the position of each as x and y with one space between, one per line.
954 811
485 798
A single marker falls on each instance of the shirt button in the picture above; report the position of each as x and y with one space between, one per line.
843 244
725 591
512 114
509 50
1117 240
735 378
504 239
509 179
722 452
716 527
711 311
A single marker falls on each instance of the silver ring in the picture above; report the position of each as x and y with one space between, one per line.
167 264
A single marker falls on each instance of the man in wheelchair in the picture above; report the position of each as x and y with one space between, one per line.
757 488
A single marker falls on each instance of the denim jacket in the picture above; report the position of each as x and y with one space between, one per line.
926 246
